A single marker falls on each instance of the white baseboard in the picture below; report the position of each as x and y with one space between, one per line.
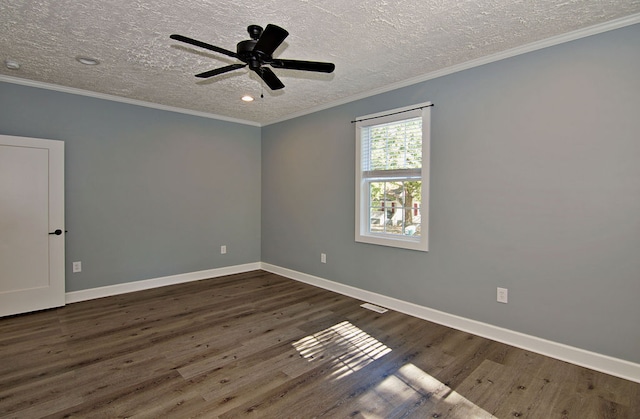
93 293
595 361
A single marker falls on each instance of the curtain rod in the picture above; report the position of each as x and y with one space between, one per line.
389 114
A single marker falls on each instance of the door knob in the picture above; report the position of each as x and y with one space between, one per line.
57 232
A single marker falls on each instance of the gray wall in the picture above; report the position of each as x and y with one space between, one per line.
535 186
148 193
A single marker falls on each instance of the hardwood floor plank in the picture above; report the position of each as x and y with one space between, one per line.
234 393
259 343
125 400
527 394
38 397
488 385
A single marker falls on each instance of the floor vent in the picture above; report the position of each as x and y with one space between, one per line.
371 307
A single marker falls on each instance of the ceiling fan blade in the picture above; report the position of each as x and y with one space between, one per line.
220 70
271 38
304 65
269 78
203 45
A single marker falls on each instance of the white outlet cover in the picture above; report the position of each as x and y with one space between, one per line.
77 266
503 295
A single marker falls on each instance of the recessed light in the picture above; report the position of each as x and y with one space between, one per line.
12 64
87 60
247 98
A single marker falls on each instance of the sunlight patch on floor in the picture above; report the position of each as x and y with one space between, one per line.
411 386
350 346
351 349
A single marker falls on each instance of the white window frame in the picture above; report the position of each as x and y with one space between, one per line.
362 233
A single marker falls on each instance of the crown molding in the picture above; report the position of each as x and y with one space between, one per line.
113 98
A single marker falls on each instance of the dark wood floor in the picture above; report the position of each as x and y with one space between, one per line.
259 345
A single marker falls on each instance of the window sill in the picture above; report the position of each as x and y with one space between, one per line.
400 242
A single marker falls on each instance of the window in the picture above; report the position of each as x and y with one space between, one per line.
392 178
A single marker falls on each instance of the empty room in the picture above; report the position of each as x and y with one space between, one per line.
294 209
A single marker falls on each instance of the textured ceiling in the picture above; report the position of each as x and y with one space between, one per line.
373 43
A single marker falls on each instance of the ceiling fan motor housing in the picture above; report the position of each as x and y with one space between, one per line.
245 52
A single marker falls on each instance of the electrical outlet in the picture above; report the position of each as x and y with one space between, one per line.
77 267
323 257
503 295
223 250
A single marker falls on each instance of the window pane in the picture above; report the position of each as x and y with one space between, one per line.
412 203
377 217
394 192
376 194
377 220
412 225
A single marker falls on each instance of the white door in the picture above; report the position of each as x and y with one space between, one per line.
31 208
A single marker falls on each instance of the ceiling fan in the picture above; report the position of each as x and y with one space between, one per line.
256 53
